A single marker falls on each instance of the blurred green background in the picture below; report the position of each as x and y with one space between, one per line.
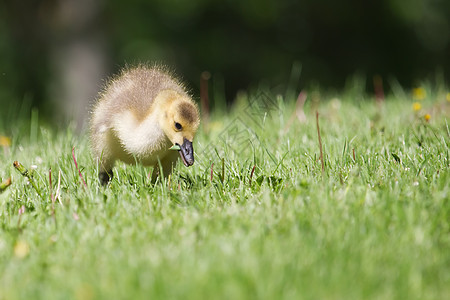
54 54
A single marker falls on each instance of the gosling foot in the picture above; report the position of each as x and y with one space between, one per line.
105 177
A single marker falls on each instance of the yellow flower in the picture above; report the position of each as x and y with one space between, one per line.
84 292
419 93
21 249
417 106
427 117
5 141
448 97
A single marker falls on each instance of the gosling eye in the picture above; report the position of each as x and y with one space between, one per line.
178 126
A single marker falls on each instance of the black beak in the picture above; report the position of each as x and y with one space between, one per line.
187 153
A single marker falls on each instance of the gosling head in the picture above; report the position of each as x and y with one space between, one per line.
180 123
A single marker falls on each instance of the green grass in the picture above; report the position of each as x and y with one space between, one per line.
374 225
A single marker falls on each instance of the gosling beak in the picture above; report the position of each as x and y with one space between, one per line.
186 152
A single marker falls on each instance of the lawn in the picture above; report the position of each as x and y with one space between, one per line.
256 217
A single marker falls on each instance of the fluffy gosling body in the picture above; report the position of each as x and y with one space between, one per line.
138 117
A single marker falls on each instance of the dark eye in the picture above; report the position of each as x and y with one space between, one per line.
178 126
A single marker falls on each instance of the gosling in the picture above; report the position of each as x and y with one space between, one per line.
139 116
